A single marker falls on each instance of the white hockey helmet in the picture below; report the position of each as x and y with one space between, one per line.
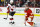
11 1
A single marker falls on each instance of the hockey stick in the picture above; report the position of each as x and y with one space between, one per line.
25 22
6 17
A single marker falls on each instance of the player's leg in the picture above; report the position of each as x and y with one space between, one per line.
12 19
26 19
30 21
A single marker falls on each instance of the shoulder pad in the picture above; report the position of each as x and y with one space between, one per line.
9 5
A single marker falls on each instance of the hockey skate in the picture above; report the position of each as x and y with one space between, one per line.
12 22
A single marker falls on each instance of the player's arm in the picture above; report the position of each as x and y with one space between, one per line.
8 8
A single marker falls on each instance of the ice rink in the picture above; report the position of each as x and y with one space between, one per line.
19 21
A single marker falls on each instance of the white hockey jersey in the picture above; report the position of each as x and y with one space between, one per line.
11 8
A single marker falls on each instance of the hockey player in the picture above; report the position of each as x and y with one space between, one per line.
28 17
11 10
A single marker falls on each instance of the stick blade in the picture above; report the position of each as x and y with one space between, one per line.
5 18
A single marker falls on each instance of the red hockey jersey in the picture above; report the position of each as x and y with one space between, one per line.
27 13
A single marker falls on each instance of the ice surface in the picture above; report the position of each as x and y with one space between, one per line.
19 21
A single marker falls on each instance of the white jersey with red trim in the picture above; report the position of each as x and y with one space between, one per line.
11 8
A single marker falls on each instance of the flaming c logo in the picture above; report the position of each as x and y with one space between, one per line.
0 9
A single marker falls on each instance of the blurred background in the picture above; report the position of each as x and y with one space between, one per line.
21 3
